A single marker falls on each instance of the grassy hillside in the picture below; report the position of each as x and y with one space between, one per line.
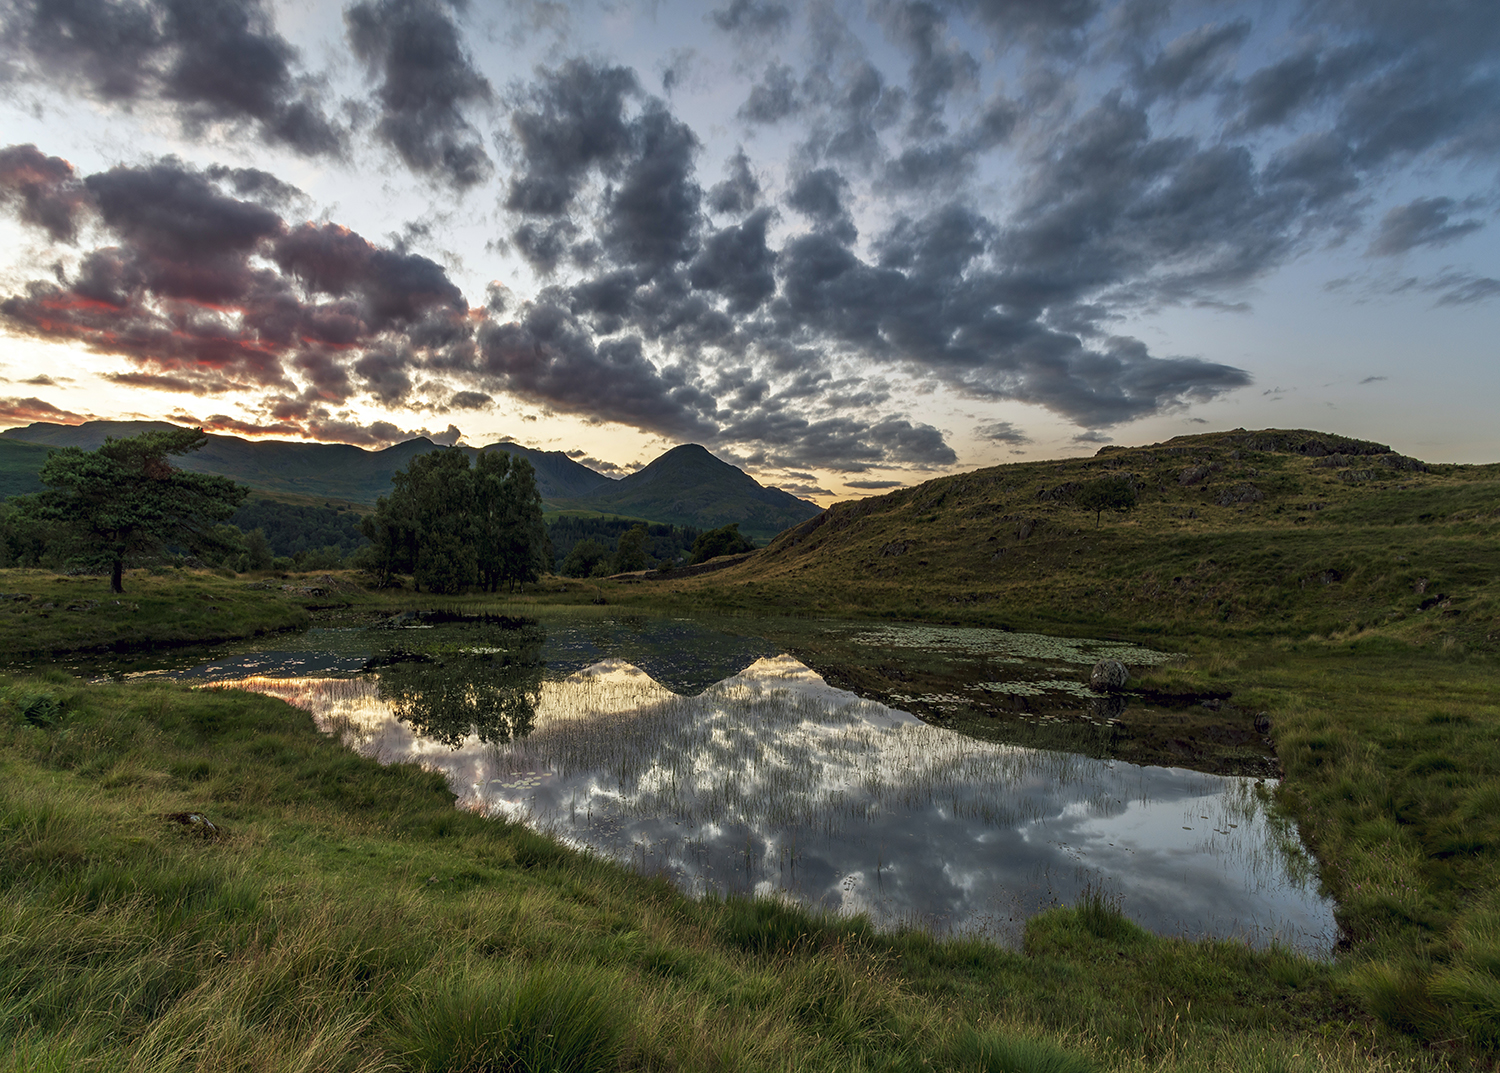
19 465
1269 533
43 613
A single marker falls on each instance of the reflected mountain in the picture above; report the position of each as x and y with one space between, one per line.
681 654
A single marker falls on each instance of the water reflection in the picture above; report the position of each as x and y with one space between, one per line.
772 781
484 685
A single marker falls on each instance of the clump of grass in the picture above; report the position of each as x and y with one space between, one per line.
561 1017
990 1052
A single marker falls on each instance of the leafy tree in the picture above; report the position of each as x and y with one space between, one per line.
513 543
1107 493
258 552
666 542
23 538
453 527
126 499
631 553
725 540
584 558
291 528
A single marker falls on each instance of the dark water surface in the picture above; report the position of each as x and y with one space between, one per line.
712 756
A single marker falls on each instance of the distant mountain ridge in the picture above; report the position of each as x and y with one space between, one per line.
685 486
330 470
690 486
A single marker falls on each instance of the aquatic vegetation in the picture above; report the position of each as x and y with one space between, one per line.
1007 646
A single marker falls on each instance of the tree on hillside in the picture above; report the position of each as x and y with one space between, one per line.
725 540
126 499
1107 493
585 559
630 554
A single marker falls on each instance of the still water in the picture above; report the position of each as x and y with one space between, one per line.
711 757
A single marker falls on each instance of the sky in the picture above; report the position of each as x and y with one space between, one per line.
847 246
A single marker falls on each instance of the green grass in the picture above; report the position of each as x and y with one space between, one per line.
349 918
44 613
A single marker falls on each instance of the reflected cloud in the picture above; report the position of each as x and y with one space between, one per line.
771 781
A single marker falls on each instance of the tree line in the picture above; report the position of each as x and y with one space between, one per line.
589 558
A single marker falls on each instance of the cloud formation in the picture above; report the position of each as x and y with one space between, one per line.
426 80
968 197
208 61
25 411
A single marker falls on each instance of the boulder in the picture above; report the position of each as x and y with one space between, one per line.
1108 675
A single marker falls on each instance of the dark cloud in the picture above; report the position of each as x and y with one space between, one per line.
286 417
785 438
802 490
1195 63
1279 92
258 185
939 67
25 411
1051 25
1398 79
737 263
739 193
572 120
860 107
677 66
932 304
212 60
548 356
470 400
172 211
1373 379
40 380
820 195
1002 432
575 124
48 193
1423 222
426 81
776 96
651 220
873 486
752 18
177 384
392 288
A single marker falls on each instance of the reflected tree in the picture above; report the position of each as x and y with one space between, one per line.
487 681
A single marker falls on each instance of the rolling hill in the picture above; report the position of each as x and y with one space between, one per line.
1270 531
316 470
685 486
689 486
